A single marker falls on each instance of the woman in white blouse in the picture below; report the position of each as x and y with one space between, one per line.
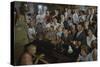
90 38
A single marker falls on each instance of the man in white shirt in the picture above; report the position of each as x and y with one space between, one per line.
82 16
75 17
66 13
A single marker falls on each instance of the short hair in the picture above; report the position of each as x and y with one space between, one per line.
29 46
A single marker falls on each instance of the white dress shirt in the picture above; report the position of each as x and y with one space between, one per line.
90 39
75 18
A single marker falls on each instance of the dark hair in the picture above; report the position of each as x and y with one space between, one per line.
94 44
29 14
83 12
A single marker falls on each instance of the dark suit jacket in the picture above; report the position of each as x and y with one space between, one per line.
81 37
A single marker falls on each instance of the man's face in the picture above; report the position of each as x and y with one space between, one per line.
66 9
32 50
79 27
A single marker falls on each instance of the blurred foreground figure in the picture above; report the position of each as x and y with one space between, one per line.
30 57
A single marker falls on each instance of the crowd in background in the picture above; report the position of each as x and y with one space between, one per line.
60 36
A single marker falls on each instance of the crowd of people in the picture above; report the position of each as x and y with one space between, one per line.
57 36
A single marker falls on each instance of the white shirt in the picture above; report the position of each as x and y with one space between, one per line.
31 31
75 18
87 58
70 22
89 40
82 18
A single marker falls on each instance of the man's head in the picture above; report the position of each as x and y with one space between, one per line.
31 49
90 32
79 27
66 9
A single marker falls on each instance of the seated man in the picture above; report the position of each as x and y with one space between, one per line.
30 57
